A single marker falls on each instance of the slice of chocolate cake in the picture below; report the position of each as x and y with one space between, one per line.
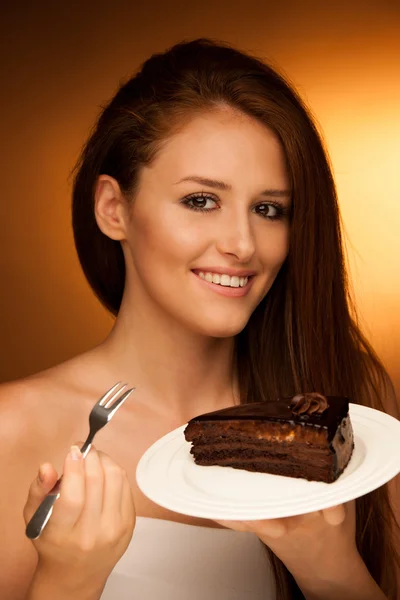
308 436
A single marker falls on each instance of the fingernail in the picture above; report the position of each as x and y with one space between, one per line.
41 474
75 453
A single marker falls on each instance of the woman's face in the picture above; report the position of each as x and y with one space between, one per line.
209 227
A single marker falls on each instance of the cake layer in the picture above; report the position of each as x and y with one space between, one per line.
276 431
264 446
305 471
322 464
224 451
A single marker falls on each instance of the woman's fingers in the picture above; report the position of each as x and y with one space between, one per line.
68 508
335 515
92 521
127 506
278 528
94 483
112 494
118 515
273 528
235 525
40 487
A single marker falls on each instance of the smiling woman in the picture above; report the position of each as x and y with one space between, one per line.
231 228
206 220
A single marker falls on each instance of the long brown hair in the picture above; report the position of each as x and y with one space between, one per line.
303 335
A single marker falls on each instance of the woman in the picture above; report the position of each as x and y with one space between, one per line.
205 161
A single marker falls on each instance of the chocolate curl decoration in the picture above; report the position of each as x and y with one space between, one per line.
308 404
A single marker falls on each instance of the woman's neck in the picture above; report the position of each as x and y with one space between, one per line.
174 369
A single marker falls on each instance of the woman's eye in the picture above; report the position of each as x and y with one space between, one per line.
269 211
200 202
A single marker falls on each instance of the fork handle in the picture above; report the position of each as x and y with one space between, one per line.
43 513
41 516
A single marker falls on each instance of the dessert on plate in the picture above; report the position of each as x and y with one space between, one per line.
308 435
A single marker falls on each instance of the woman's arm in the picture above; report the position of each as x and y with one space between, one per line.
354 583
319 550
44 585
349 578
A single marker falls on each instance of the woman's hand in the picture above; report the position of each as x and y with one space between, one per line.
91 525
319 549
312 542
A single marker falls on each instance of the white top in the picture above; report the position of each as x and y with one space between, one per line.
173 561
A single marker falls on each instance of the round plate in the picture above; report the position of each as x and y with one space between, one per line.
167 474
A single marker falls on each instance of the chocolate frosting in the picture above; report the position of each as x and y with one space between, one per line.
279 410
310 403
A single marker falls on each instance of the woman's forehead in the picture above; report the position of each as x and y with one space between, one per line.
220 145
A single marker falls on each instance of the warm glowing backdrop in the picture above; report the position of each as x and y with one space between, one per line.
62 61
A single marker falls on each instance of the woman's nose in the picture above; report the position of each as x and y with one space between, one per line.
236 238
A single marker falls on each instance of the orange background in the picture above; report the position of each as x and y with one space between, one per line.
62 61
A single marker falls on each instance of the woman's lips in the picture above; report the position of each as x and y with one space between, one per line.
230 292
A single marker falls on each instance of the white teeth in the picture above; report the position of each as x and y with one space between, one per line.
224 279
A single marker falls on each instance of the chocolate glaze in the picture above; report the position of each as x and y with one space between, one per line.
279 410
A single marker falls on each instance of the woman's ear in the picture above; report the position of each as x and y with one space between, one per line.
110 208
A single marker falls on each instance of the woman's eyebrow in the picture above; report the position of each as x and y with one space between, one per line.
214 183
221 185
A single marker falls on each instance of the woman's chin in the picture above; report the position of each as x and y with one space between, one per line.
223 328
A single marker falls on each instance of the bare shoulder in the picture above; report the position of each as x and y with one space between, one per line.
38 420
20 402
27 405
46 391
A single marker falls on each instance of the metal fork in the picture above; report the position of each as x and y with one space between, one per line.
100 415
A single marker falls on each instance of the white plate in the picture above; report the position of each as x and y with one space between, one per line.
167 474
